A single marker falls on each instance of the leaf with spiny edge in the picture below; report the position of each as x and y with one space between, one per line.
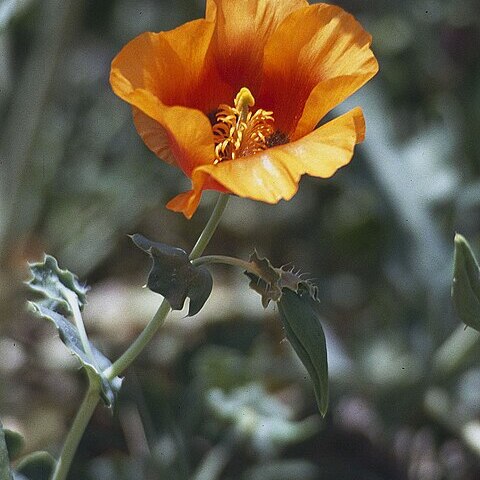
174 276
50 282
270 282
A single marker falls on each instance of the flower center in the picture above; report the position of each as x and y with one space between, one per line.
238 132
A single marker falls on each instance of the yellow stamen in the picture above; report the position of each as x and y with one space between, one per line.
238 132
243 101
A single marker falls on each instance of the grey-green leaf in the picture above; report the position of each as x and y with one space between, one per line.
466 284
305 333
70 337
15 443
5 472
173 276
49 282
37 466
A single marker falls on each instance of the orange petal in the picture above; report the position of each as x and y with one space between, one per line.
241 33
210 10
156 70
273 174
154 136
186 203
317 57
170 64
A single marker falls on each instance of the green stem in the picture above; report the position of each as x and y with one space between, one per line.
76 432
93 394
157 321
210 227
236 262
139 344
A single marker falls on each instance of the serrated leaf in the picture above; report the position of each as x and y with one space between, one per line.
5 472
265 280
50 282
270 282
15 443
466 284
37 466
174 277
71 338
305 333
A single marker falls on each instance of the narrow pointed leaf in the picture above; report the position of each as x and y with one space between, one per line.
305 333
174 277
466 284
53 287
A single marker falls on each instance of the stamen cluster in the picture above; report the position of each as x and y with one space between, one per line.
239 132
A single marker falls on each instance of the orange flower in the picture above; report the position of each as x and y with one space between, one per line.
233 99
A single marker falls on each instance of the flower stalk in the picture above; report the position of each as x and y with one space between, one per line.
159 318
77 429
124 361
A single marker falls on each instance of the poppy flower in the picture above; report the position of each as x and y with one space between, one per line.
234 99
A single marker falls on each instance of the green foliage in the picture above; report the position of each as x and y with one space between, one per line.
174 277
5 472
259 417
94 367
15 443
270 282
295 297
37 466
305 333
52 284
466 284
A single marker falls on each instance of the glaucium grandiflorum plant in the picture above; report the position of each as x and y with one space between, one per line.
234 101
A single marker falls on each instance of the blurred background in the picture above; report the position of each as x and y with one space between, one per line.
221 395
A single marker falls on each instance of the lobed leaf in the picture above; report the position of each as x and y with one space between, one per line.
270 282
466 284
174 277
71 338
49 282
